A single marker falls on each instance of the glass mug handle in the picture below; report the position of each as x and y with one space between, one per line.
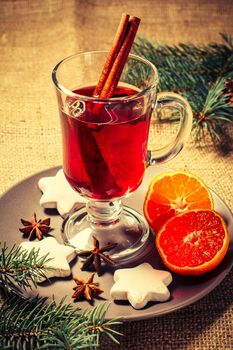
169 151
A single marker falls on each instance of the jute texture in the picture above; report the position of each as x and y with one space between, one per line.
34 36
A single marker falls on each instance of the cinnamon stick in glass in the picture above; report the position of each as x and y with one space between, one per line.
117 57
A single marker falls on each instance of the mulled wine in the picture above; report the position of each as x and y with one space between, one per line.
105 143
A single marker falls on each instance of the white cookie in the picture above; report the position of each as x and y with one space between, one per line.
141 284
59 254
57 193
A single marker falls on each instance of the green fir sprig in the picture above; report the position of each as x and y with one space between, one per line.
203 75
20 269
36 324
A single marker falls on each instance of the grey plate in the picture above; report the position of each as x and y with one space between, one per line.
23 199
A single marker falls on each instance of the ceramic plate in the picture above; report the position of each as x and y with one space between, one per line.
23 199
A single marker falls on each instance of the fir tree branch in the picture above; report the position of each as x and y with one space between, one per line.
215 112
200 74
20 269
98 325
34 324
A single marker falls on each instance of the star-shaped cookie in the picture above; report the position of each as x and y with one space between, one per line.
59 254
57 193
141 284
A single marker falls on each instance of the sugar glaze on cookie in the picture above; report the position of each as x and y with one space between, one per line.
57 193
141 284
59 254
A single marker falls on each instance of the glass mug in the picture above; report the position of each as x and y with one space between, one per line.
105 151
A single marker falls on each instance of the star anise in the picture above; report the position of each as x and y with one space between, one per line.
95 255
34 227
87 289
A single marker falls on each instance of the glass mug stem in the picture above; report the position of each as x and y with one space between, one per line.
104 213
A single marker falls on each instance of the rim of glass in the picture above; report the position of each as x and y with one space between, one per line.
112 99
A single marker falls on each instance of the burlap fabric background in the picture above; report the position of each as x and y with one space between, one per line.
34 36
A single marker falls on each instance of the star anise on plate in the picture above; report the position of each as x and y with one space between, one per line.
95 255
86 289
35 228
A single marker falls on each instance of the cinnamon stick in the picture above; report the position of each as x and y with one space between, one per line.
117 42
117 57
106 87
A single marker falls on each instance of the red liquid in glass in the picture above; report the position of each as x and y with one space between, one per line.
105 145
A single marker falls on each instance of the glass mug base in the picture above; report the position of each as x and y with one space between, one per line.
129 230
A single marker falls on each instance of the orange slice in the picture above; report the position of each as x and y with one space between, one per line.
171 193
193 242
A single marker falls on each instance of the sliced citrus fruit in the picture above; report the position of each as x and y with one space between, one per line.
193 242
171 193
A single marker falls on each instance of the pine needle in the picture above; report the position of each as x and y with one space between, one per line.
20 269
199 73
37 324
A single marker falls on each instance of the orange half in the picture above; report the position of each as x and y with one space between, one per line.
172 193
193 242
